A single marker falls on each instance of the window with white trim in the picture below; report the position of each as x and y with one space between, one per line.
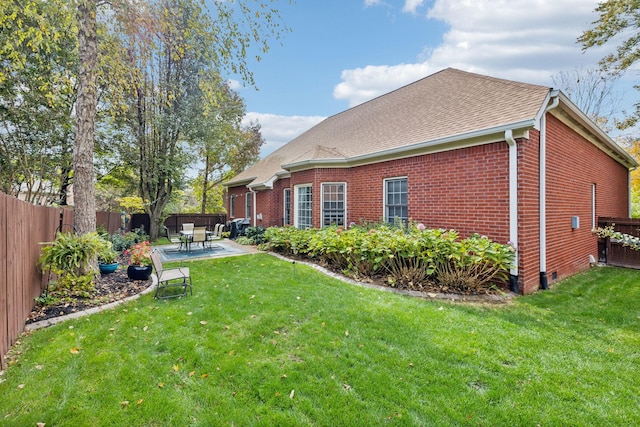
248 213
232 207
333 204
396 200
287 207
303 211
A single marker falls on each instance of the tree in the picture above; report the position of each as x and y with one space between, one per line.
38 54
592 91
84 184
176 53
225 146
618 20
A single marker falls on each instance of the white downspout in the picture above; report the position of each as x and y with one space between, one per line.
543 193
513 204
254 220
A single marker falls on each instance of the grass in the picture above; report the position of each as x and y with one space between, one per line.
266 342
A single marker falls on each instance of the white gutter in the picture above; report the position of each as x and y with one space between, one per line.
543 190
476 137
513 198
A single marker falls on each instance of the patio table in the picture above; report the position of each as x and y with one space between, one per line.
188 234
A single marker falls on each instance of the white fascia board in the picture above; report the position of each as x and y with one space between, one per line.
479 137
542 111
246 181
268 184
598 133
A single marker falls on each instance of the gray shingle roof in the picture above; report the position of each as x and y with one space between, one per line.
442 105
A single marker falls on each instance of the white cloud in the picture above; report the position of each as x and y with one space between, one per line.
523 40
412 6
369 3
278 130
362 84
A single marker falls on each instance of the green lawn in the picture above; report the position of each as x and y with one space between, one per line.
267 342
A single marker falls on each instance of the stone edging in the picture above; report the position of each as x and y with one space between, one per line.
55 320
491 298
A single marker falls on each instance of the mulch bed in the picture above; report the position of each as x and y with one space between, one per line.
109 288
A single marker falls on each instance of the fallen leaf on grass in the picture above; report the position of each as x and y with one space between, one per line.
176 368
203 322
21 386
291 394
146 328
204 375
124 403
74 350
192 373
40 424
160 385
139 402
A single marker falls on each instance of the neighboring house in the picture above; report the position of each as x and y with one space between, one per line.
456 150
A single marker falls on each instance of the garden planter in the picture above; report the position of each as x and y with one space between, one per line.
108 268
139 272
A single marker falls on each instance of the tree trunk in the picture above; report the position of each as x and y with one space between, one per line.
205 184
83 181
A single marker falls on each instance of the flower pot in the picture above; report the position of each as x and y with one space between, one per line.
139 272
108 268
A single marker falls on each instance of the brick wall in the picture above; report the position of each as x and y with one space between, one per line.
529 213
468 189
573 166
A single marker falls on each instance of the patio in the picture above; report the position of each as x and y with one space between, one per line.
220 248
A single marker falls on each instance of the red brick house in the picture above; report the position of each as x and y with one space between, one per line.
513 161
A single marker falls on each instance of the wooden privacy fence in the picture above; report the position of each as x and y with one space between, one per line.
22 227
174 221
612 252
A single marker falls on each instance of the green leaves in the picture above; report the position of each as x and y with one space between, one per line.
411 257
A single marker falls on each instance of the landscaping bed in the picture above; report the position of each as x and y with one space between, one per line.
109 288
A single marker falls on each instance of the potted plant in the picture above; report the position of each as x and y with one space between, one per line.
108 261
140 261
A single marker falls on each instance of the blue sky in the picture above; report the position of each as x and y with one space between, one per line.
341 53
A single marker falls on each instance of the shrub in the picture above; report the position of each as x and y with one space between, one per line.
410 256
122 242
72 253
288 240
255 234
244 240
71 258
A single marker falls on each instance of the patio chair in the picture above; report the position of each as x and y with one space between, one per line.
187 226
170 279
175 238
200 236
217 233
